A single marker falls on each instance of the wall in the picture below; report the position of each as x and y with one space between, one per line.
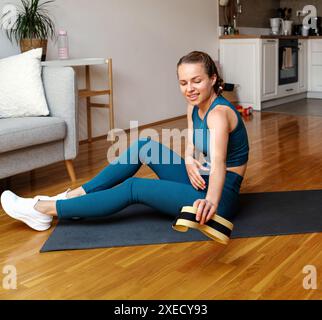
145 38
299 5
255 13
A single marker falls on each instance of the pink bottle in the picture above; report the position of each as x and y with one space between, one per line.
63 45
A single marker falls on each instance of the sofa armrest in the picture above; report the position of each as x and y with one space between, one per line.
61 92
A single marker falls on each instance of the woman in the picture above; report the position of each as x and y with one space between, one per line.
215 128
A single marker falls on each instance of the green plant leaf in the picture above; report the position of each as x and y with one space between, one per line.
33 21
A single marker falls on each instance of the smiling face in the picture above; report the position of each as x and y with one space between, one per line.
195 84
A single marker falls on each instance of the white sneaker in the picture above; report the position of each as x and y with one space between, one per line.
23 209
60 196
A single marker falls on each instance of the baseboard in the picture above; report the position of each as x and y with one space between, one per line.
139 128
314 95
276 102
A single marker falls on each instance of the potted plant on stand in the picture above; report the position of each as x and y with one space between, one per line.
33 26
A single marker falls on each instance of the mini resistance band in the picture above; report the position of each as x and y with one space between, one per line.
217 228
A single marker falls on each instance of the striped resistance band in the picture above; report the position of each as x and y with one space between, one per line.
217 228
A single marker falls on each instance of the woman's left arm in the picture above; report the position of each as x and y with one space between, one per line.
218 125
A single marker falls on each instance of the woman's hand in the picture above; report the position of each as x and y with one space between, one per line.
205 210
192 166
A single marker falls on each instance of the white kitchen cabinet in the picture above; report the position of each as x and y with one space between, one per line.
253 64
269 69
315 67
303 56
240 60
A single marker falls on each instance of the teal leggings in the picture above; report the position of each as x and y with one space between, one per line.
114 188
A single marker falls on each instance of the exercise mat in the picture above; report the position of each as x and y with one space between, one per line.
261 214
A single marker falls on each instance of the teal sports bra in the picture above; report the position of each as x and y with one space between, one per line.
238 146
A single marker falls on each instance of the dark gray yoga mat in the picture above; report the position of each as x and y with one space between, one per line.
261 214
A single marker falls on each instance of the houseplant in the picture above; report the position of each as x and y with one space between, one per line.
33 26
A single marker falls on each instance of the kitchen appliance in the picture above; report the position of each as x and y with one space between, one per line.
297 29
288 61
287 27
275 25
305 30
317 31
298 26
311 21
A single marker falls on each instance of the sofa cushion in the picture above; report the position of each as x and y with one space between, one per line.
17 133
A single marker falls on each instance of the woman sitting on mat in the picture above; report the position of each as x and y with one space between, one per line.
216 130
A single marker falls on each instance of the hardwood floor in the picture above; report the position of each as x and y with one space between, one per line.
300 108
286 154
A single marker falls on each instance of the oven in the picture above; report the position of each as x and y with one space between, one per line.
288 61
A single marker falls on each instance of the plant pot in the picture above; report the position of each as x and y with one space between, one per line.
29 44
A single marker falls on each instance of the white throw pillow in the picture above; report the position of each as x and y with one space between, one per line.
21 88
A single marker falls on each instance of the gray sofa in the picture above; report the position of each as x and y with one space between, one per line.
33 142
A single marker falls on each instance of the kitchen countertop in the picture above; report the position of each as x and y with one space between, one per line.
258 36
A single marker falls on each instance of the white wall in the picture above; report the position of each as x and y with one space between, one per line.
145 38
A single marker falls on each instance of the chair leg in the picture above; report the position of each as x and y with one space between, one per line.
88 105
89 121
70 170
111 103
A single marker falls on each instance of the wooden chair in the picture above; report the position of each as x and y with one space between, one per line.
88 93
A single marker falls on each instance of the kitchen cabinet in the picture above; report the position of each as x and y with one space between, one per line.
240 61
303 71
269 69
315 68
252 63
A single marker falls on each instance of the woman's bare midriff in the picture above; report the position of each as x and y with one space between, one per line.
239 170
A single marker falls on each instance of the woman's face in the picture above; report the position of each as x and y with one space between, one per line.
195 84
